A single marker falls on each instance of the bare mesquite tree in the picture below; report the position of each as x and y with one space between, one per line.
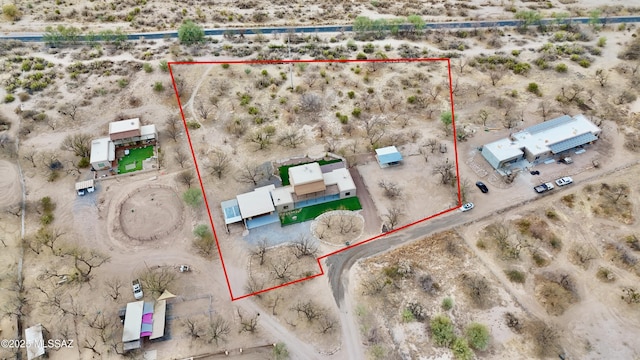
173 127
304 246
79 144
445 169
219 163
251 173
393 217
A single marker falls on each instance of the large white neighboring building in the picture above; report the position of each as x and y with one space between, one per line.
541 142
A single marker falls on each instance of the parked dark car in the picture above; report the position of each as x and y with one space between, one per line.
482 187
535 172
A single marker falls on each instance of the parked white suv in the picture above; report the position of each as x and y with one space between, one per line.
564 181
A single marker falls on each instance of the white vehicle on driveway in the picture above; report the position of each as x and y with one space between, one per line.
564 181
466 207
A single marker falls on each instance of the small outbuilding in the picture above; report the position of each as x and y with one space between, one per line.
83 187
388 156
34 341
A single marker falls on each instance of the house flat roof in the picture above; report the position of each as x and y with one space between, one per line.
133 321
282 195
159 311
148 132
504 149
102 150
231 211
35 343
305 174
256 202
340 177
124 126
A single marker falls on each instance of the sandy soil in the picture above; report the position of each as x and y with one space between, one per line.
91 221
10 192
150 213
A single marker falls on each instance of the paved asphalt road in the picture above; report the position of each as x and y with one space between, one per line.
37 37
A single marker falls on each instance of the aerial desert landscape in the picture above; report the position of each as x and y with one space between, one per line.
293 180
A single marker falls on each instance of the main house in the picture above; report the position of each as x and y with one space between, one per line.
541 142
310 184
123 134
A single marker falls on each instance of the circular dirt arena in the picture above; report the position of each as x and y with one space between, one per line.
10 192
151 213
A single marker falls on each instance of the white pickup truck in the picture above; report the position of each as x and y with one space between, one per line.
137 289
543 187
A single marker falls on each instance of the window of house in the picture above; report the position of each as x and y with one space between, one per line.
285 207
347 193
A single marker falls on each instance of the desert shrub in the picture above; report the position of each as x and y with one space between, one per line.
158 86
605 275
539 259
193 125
193 197
351 94
9 98
47 205
11 12
407 316
584 63
561 68
478 336
442 331
461 350
361 56
513 322
551 214
545 338
447 303
225 66
46 219
516 276
356 112
123 82
417 311
427 284
148 68
23 96
84 163
569 200
477 288
202 231
164 66
534 89
190 33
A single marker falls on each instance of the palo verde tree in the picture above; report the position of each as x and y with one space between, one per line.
190 33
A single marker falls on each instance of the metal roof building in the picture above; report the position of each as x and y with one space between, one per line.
255 203
541 141
103 152
124 129
388 156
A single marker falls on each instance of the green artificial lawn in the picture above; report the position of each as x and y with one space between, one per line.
284 170
313 211
137 156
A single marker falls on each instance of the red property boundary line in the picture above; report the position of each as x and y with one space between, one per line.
319 259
